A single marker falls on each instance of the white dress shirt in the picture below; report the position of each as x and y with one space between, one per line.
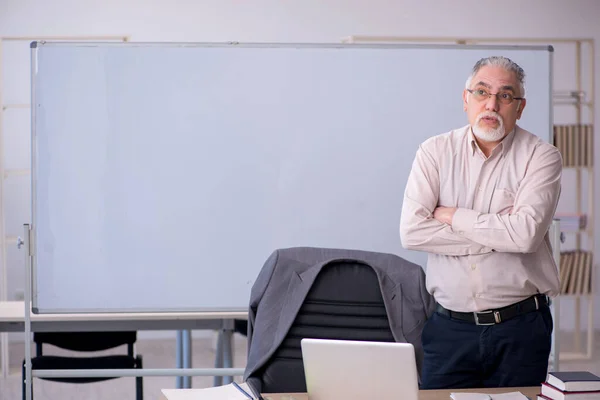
497 250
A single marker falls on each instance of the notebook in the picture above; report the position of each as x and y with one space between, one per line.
358 370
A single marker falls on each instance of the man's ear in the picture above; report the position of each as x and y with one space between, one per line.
465 99
520 108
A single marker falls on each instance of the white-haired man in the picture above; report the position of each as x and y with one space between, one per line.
480 200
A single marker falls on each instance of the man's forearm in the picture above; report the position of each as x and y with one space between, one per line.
518 233
444 214
420 230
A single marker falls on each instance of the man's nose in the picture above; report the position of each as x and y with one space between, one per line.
492 103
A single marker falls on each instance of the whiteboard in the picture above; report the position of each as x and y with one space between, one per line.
165 174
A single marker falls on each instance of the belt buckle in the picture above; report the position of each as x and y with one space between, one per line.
497 318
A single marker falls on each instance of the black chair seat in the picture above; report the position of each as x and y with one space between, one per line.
86 342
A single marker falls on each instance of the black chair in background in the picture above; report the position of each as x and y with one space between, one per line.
241 326
86 342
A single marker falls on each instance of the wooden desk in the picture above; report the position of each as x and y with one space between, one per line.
443 394
530 392
12 319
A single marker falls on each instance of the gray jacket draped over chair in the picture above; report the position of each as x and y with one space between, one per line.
287 276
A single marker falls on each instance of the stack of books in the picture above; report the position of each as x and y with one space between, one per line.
570 385
576 144
576 272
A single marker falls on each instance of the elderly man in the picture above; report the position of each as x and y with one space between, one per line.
480 200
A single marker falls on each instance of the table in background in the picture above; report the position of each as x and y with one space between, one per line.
12 319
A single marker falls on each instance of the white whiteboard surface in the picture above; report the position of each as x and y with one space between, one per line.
165 174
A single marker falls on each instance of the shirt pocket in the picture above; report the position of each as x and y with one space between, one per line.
503 201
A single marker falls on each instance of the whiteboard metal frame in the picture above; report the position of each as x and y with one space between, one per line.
28 288
292 45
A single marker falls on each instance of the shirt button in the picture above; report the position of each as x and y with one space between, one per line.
478 295
473 266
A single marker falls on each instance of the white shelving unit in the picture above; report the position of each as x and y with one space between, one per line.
575 140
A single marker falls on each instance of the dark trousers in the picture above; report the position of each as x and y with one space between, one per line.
459 354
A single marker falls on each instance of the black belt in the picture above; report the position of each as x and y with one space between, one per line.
496 316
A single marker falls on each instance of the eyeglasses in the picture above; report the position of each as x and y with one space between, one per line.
503 97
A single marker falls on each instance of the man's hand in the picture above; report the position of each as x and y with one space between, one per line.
444 214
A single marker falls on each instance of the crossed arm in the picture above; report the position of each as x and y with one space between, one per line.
459 231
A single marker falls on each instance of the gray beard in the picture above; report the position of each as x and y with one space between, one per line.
489 135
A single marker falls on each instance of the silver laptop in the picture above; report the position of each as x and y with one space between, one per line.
358 370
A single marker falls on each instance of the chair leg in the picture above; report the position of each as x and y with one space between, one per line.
139 388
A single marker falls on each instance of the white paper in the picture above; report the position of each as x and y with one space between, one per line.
224 392
469 396
509 396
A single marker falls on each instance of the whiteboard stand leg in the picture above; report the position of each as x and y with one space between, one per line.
4 355
218 380
227 357
187 357
27 339
555 305
179 359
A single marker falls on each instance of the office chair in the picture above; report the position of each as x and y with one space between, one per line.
310 292
344 302
86 342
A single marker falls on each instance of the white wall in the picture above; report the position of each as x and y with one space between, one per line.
301 21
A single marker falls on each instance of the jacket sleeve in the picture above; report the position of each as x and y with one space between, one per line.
256 294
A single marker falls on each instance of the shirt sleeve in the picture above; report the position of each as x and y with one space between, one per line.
524 228
418 229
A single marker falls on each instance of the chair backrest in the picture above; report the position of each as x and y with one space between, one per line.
344 302
85 341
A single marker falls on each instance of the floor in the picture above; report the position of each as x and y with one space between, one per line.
160 353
